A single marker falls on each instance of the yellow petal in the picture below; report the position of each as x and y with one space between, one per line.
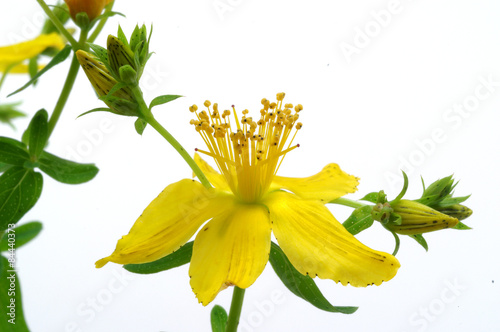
28 49
327 185
17 69
216 179
317 244
231 249
168 222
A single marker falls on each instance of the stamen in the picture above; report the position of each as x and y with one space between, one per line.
250 156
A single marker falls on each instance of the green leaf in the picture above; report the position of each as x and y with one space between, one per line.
66 171
359 220
13 152
9 112
4 167
218 319
33 68
60 57
371 197
20 190
11 305
452 201
98 109
100 52
39 133
121 36
420 239
162 100
140 125
21 234
301 285
178 258
461 226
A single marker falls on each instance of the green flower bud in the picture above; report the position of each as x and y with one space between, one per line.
417 218
119 55
117 96
458 211
128 75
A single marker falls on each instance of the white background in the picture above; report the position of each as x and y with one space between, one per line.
373 112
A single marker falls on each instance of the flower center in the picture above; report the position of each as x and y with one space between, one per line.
250 156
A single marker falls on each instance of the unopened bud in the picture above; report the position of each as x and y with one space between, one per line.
91 8
458 211
417 218
120 101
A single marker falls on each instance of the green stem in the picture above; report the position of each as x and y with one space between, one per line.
101 24
63 98
149 118
396 249
348 202
68 84
58 24
235 310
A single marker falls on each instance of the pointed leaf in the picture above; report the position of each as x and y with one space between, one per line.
13 152
98 109
20 189
371 197
22 235
60 57
66 171
140 125
218 319
461 226
121 36
359 220
420 239
33 67
162 100
100 52
178 258
452 200
301 285
11 305
39 133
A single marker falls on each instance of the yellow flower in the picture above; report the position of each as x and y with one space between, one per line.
93 8
15 55
248 202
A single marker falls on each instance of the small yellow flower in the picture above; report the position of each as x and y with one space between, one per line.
248 202
15 55
93 8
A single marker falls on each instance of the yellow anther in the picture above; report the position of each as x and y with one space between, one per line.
272 105
288 105
193 108
207 103
280 96
298 108
215 107
298 125
245 112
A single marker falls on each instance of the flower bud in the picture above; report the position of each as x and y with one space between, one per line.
417 218
92 8
119 55
119 99
458 211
